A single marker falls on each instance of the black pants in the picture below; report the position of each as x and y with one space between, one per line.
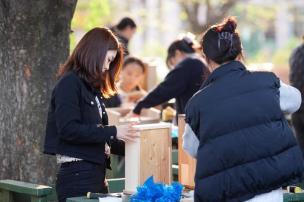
79 177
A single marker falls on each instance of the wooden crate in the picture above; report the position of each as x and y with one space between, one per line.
116 115
149 155
150 77
186 164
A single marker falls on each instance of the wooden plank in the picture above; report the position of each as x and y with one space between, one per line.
150 78
186 164
150 155
155 159
116 116
81 199
132 166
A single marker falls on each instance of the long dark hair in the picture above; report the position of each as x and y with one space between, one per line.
88 58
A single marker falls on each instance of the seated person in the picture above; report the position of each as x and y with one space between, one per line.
129 90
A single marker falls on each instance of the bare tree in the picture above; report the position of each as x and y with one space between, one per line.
216 10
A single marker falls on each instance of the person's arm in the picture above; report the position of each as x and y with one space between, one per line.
290 98
190 141
68 116
174 84
191 132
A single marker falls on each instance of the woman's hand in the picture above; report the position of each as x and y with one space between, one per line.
107 150
135 96
127 133
131 117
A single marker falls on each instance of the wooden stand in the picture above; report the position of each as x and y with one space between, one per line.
149 155
116 115
186 164
150 77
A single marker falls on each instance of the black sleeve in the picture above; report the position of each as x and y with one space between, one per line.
113 101
174 84
68 116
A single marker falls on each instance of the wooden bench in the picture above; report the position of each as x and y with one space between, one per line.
116 185
289 197
15 191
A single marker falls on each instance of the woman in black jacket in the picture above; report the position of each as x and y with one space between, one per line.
236 128
181 82
77 130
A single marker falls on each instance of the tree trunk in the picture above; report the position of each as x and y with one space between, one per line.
34 41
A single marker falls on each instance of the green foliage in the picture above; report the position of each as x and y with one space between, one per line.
90 14
255 16
72 42
154 49
269 53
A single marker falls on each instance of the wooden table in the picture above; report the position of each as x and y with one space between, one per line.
125 198
81 199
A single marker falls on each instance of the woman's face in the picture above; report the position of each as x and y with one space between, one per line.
177 58
132 75
111 54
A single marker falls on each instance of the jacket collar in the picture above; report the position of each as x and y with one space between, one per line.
87 86
223 70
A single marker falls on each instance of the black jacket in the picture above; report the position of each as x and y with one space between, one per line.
296 77
113 101
181 83
246 146
72 125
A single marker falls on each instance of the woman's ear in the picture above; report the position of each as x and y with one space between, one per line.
208 61
211 64
240 57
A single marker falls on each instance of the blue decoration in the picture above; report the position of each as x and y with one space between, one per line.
157 192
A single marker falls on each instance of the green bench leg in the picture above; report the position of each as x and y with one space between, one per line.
38 199
6 196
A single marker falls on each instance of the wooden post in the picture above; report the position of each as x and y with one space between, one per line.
149 155
150 77
186 164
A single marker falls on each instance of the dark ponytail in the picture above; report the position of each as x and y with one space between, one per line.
184 45
221 42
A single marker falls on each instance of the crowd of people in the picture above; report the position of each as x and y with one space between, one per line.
235 119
